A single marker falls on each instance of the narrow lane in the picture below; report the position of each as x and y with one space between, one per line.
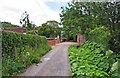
54 63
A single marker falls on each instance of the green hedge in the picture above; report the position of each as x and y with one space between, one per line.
21 50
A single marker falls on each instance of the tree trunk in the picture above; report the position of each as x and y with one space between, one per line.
68 37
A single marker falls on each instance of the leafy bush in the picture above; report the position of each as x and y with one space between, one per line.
115 69
20 50
64 39
114 43
32 32
90 60
8 24
100 35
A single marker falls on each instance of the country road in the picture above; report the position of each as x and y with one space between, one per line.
54 63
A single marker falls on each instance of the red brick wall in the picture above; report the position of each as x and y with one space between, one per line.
53 42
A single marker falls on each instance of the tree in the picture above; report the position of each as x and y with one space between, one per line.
83 17
55 26
46 30
52 23
50 29
25 22
72 18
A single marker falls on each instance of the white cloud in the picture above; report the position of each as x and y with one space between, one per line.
11 11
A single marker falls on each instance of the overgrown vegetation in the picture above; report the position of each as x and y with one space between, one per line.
8 24
85 17
50 29
21 50
32 32
100 35
99 22
91 60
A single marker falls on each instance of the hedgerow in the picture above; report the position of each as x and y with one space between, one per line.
21 50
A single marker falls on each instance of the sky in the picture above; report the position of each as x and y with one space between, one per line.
39 11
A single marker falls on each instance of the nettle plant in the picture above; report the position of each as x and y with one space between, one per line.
90 59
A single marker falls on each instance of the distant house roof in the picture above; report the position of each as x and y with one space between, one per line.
16 29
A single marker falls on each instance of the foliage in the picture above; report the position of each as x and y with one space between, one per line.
69 19
82 17
7 24
21 50
87 15
25 21
50 29
46 30
115 69
90 59
32 32
114 43
64 39
100 35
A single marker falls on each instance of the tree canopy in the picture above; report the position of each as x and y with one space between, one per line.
50 29
25 21
87 15
83 17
